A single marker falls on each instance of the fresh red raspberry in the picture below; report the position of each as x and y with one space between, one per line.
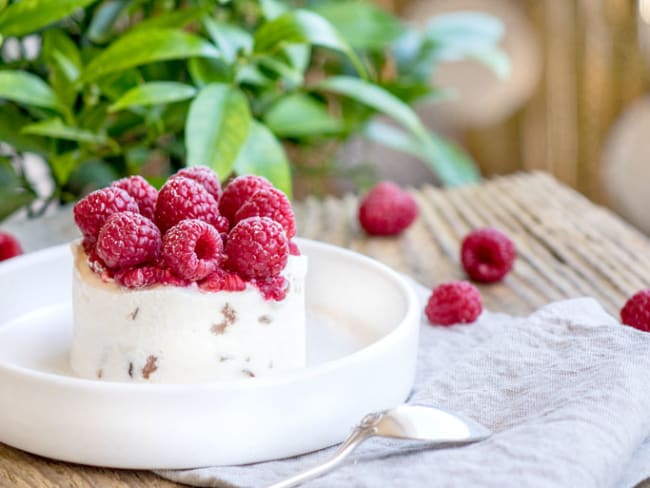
9 246
238 191
192 249
453 303
487 255
294 250
205 177
271 203
91 212
274 288
148 275
257 247
222 280
636 312
128 239
142 192
95 263
387 210
181 198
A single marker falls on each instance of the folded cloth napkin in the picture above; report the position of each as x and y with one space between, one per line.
566 391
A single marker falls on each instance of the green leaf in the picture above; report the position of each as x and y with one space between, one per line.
63 165
459 29
11 122
291 77
217 127
176 19
154 93
204 71
272 9
303 27
148 46
57 40
263 155
299 115
448 161
57 129
27 16
65 64
105 16
14 195
24 87
375 97
361 24
468 35
229 38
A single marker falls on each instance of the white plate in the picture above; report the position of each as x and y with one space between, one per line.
363 321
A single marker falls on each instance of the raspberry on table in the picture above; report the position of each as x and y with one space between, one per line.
142 192
453 303
636 311
128 239
271 203
387 210
9 246
192 249
238 191
487 255
222 280
91 212
204 176
182 198
257 247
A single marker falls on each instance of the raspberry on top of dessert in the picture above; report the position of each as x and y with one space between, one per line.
189 232
191 283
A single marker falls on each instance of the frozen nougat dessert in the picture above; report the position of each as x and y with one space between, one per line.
189 284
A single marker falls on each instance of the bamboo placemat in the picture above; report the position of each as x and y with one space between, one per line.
567 247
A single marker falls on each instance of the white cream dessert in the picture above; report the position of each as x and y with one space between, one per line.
183 335
167 302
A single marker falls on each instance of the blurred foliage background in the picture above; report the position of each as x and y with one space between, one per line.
103 89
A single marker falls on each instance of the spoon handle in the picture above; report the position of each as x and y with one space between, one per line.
358 435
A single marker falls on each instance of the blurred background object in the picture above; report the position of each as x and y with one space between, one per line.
575 104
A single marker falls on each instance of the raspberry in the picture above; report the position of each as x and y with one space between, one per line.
181 198
387 210
9 246
271 203
636 312
142 192
453 303
257 247
487 255
192 249
294 250
128 239
275 288
91 212
222 280
144 276
205 177
238 191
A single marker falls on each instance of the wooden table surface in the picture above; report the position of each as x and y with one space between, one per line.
567 247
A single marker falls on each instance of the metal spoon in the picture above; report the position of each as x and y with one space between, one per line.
412 422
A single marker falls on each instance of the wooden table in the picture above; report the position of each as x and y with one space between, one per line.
567 247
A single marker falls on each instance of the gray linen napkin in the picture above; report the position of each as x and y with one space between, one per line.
566 392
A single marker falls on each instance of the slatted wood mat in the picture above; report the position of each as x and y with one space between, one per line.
567 247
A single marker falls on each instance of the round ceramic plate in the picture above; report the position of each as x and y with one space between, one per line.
363 322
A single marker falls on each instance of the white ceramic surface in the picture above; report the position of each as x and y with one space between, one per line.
363 322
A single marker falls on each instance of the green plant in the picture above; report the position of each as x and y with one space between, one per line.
120 87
